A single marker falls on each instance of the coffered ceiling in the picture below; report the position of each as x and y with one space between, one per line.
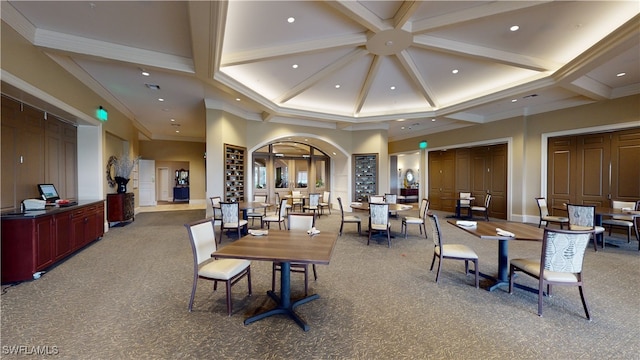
412 67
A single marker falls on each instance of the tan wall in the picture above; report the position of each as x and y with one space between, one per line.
164 151
526 137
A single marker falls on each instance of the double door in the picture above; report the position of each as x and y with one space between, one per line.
595 168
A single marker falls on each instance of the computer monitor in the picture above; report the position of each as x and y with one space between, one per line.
48 192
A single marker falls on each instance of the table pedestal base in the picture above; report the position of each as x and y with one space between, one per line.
285 306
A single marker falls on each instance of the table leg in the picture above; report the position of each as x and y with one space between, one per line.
285 306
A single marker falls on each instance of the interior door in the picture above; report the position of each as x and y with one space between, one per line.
147 183
163 184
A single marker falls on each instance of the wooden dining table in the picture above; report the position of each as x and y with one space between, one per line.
364 206
487 230
285 247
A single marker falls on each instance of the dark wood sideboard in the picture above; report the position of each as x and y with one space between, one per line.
36 240
120 207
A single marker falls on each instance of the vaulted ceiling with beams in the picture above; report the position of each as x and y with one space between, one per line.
411 67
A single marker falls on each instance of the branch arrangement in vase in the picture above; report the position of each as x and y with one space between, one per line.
123 165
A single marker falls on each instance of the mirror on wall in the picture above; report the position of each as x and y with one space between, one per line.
182 177
409 178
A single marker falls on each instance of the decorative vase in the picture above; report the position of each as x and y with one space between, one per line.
122 184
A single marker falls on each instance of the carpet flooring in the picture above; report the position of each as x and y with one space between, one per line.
126 295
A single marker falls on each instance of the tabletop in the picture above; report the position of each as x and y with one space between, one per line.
392 207
282 245
487 230
244 205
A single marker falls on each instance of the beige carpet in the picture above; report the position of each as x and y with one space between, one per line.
126 296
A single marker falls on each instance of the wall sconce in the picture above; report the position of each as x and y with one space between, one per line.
102 114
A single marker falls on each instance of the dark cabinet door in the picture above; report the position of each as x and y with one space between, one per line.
62 230
43 238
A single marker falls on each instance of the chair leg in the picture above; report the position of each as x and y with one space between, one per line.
475 267
193 291
439 268
360 228
584 302
512 271
388 237
315 274
433 261
540 295
229 304
341 226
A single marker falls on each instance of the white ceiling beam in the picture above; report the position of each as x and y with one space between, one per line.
471 13
320 75
590 88
368 81
359 14
102 49
306 47
206 21
422 86
481 52
402 16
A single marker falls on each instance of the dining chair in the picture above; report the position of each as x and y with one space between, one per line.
231 219
623 221
279 217
257 213
391 199
377 199
419 220
296 200
229 271
215 206
326 202
379 220
450 251
297 221
314 203
583 217
544 214
464 202
560 263
278 202
354 219
483 209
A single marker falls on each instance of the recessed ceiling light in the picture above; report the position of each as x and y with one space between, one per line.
295 66
173 120
454 71
291 19
144 73
177 131
433 119
402 128
514 100
334 153
160 99
401 120
393 88
621 74
514 28
237 99
337 86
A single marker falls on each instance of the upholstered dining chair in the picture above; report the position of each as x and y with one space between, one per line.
623 221
231 218
296 200
379 220
258 213
277 218
560 263
348 219
420 220
376 199
314 203
583 217
544 214
297 221
391 199
215 206
279 202
450 251
229 271
464 202
483 209
326 202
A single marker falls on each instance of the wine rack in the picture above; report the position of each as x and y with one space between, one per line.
234 172
365 176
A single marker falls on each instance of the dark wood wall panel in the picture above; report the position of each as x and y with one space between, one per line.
594 169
